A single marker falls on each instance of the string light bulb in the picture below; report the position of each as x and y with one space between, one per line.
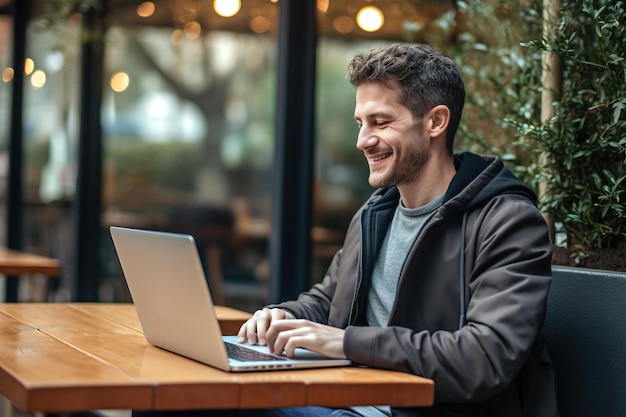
370 18
227 8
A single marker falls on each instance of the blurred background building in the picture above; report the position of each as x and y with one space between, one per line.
228 119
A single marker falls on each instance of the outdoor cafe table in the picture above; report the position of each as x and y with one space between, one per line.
13 262
72 357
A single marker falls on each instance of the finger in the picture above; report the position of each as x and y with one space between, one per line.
288 340
264 319
279 332
243 331
288 335
263 323
277 346
248 331
278 314
242 335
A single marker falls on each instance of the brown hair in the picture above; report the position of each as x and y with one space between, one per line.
427 78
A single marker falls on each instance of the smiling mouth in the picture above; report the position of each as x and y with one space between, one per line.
378 157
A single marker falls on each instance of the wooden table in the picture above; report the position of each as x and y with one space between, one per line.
81 356
14 262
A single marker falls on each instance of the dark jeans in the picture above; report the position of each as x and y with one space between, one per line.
276 412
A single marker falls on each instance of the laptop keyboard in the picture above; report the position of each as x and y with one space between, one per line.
241 353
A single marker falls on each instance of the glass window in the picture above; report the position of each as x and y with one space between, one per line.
188 120
188 129
50 130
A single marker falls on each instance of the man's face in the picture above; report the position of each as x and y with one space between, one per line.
394 143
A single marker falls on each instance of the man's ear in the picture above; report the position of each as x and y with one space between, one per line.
438 120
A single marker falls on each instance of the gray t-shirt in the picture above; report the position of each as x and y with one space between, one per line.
405 227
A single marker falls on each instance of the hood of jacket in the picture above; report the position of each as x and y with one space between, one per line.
478 179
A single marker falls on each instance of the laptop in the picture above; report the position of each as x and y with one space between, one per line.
169 289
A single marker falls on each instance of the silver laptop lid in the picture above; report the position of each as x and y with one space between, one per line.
168 287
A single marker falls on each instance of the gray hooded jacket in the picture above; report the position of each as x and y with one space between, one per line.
471 297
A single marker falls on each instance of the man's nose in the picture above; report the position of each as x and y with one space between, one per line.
366 139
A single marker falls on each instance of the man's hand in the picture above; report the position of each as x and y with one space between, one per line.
287 335
282 333
254 330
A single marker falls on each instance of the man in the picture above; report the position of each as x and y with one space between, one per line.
444 271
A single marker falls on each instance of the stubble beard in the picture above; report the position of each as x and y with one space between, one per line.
404 170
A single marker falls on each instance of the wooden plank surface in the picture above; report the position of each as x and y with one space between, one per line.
125 314
13 263
368 386
82 356
40 372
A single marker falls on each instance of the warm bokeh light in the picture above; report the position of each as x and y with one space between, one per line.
7 74
227 8
38 79
119 82
192 30
343 24
146 9
29 66
260 24
322 5
177 36
370 18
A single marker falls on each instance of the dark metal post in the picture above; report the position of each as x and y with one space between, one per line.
15 192
290 240
89 179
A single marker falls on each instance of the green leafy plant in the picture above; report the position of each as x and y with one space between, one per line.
580 151
501 82
574 158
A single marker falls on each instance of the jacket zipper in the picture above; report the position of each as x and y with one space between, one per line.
365 218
